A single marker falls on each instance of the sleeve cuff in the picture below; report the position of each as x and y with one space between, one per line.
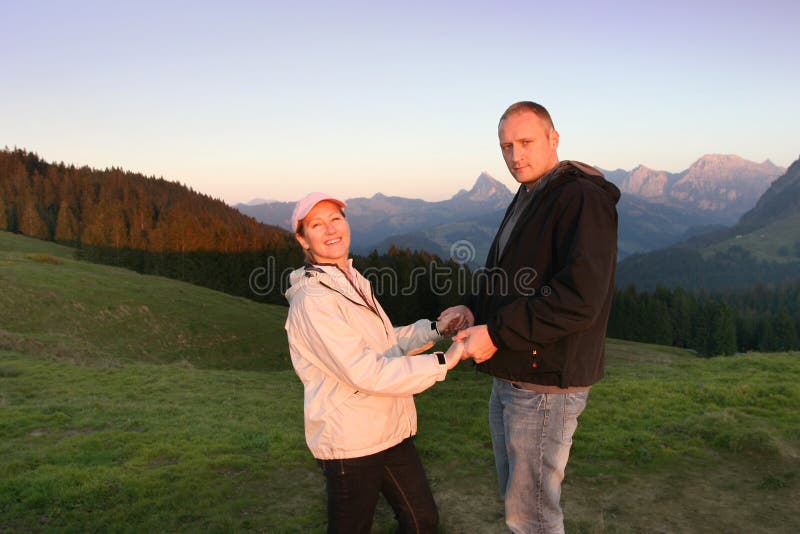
442 369
493 335
435 335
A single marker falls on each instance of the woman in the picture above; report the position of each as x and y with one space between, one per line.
358 378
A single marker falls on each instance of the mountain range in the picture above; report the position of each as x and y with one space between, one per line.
722 185
657 209
373 220
763 247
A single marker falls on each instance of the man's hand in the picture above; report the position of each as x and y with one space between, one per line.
477 343
454 319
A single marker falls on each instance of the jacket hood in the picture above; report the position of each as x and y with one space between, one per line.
297 279
579 170
308 274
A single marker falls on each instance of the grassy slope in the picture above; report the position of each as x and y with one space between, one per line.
54 304
765 243
97 433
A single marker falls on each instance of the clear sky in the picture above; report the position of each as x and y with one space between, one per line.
274 99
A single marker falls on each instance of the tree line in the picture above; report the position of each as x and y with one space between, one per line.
733 268
158 227
763 318
154 226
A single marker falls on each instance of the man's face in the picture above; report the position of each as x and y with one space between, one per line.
529 146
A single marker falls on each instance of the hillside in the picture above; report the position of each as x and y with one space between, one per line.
763 247
54 305
115 208
146 224
109 424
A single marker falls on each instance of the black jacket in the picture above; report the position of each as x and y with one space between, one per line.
549 321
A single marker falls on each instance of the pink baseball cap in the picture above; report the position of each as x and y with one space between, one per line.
305 204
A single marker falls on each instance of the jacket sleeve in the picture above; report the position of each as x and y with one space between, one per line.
585 238
330 342
416 335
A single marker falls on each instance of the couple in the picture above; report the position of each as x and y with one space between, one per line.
543 345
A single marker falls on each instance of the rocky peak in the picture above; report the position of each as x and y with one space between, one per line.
647 182
486 189
729 167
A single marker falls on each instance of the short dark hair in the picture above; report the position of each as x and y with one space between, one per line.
526 105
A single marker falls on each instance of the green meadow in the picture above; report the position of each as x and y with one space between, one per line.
133 403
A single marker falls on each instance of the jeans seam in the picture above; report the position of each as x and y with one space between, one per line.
405 499
540 477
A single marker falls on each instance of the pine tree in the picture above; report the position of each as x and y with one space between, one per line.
67 229
784 332
721 338
30 222
3 215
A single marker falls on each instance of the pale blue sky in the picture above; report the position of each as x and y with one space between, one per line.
276 99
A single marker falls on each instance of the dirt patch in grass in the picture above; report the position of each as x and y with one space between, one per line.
741 496
46 258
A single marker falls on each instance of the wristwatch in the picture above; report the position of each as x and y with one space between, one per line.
440 356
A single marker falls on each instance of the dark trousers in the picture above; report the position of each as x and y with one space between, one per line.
353 486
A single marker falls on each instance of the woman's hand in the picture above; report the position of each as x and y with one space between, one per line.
454 319
454 354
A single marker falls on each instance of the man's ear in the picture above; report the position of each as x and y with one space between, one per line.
554 139
302 241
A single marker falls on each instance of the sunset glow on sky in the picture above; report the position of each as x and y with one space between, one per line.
274 99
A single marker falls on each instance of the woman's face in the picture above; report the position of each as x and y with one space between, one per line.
326 234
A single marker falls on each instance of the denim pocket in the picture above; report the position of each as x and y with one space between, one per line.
575 403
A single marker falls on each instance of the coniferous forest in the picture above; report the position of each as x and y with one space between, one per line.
159 227
155 226
720 323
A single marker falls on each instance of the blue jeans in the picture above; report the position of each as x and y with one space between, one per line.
353 486
531 437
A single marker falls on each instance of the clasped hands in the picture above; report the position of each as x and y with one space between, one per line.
470 342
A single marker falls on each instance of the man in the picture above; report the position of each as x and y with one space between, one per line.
542 334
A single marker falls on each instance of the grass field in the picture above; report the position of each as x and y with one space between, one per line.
772 243
135 403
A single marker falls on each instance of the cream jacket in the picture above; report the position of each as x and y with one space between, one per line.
358 380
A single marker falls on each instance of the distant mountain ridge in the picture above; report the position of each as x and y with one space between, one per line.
376 218
726 185
763 247
657 209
